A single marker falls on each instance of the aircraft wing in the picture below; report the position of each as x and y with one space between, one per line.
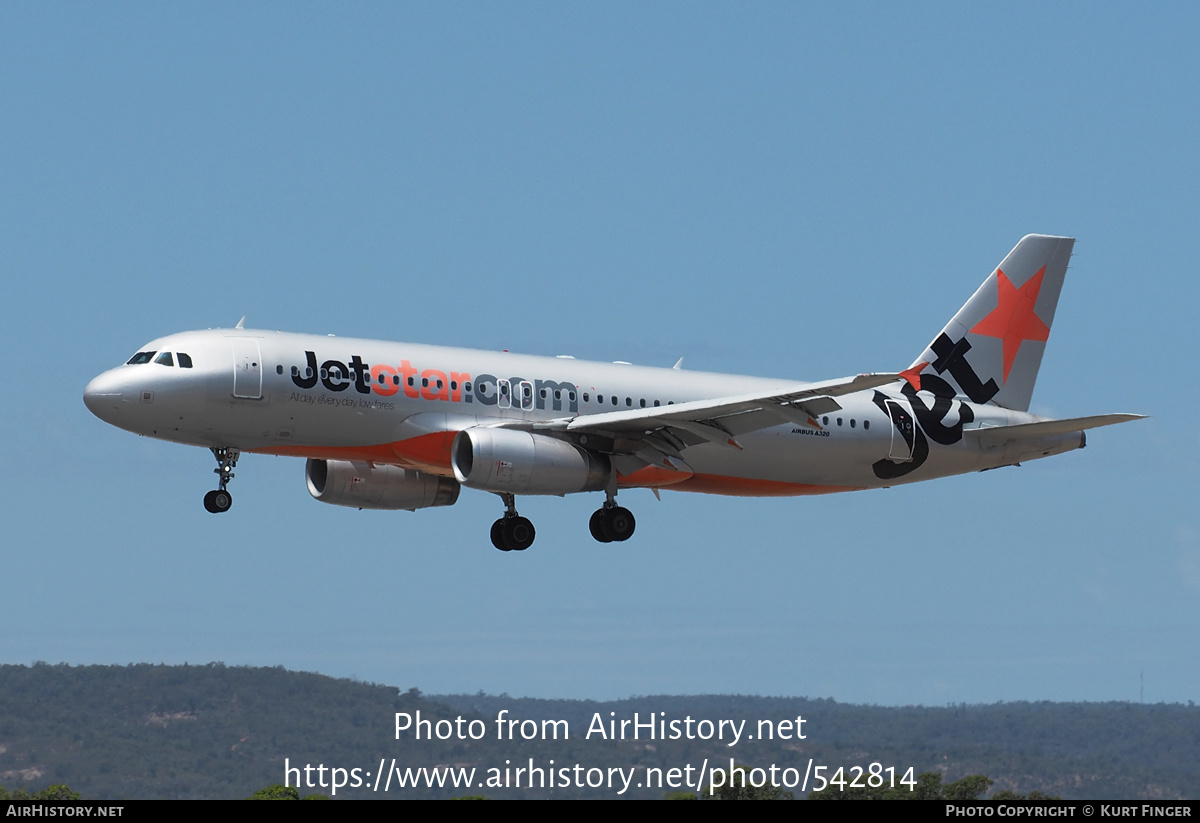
1046 428
721 419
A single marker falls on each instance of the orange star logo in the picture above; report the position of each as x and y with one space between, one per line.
913 374
1013 320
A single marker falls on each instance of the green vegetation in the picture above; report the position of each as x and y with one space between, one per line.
928 787
278 791
57 793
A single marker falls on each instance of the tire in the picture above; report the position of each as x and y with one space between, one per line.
519 533
221 501
498 536
209 505
620 524
596 526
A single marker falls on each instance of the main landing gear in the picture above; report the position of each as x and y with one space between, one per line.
512 533
612 523
219 500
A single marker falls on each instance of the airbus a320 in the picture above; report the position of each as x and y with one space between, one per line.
405 426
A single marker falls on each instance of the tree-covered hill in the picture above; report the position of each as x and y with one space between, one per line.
216 731
1074 750
209 731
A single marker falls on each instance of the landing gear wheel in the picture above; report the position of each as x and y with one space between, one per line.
596 525
612 524
218 501
512 532
498 536
619 524
518 533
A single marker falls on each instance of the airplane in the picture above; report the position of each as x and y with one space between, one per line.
387 425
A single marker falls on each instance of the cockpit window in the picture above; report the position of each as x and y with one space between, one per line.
164 359
185 362
140 358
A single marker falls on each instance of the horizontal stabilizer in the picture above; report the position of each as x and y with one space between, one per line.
1048 428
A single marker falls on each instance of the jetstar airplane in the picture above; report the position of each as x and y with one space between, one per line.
403 426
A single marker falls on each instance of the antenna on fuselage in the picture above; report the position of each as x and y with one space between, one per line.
241 323
678 365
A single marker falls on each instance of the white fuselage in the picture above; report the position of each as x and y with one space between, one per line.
401 404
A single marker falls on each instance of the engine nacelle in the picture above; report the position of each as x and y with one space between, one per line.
367 486
518 462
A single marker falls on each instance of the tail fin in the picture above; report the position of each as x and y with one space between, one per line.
992 349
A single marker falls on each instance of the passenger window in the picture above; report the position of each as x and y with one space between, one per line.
866 424
585 397
395 380
467 386
279 369
643 402
656 402
165 359
851 422
295 371
629 401
825 420
839 421
185 362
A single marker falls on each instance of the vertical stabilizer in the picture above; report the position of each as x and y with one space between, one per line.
992 349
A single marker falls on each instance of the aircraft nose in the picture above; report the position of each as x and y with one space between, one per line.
104 396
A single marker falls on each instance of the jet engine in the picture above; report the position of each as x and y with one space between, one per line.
368 486
519 462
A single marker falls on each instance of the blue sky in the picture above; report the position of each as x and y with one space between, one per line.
794 190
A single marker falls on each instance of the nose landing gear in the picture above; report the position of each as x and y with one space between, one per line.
219 500
512 533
